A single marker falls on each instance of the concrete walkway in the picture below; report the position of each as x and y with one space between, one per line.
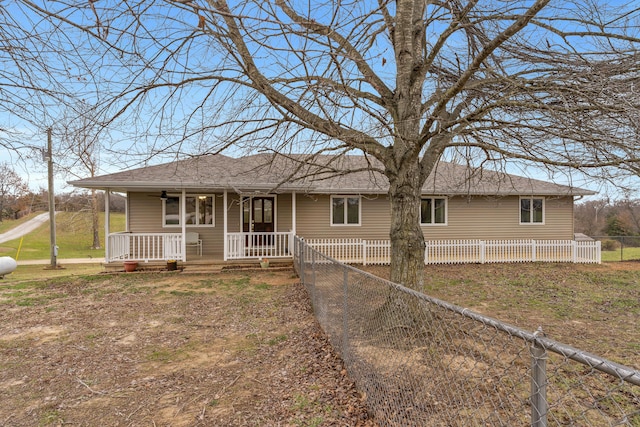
62 261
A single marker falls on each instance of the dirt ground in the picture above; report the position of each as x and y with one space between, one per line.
593 307
169 349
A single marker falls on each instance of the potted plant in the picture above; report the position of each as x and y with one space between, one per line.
172 265
264 262
130 266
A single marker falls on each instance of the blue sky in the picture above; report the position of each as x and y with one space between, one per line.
120 138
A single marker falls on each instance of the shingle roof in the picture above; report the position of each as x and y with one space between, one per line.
320 174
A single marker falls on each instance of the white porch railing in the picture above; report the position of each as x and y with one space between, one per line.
259 245
164 246
464 251
144 246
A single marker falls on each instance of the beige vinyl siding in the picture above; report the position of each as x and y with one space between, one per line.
283 213
145 213
145 216
499 218
213 238
467 218
234 213
313 218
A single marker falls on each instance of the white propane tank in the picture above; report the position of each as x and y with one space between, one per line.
7 265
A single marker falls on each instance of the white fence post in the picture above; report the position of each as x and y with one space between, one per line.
426 252
364 252
483 251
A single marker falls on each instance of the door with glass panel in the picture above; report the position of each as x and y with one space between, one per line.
258 217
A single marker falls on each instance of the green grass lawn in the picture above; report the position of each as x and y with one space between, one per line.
73 237
626 254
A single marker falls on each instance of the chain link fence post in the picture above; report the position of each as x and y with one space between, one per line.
345 315
301 255
313 277
539 404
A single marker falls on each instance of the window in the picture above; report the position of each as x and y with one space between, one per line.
171 211
199 211
345 210
531 210
433 210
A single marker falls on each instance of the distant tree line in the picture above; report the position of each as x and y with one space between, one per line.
606 217
17 199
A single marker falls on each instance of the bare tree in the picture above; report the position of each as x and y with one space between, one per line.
39 72
590 216
12 187
405 82
630 209
79 152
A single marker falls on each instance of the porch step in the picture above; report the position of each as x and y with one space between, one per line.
203 268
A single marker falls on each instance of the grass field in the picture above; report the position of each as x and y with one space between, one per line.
73 237
624 254
592 307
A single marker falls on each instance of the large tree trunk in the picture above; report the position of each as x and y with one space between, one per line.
95 224
407 240
401 313
402 165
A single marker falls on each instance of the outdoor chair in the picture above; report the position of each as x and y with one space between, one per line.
193 239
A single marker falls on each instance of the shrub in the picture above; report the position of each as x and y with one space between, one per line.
610 245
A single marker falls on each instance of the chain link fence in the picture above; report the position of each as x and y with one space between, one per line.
619 248
420 361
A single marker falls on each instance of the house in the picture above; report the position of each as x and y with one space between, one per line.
223 208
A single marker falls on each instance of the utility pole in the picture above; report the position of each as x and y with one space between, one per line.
52 207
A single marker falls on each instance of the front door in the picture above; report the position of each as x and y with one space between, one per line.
258 216
263 214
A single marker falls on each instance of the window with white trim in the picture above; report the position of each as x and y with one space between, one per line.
433 211
531 210
199 211
345 210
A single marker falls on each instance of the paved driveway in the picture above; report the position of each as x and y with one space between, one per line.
24 228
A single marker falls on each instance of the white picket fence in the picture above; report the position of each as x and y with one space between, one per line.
360 251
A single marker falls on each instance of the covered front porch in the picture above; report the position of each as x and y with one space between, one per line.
149 247
229 227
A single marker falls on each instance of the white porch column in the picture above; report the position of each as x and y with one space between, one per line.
126 213
183 221
225 244
293 221
107 225
293 213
